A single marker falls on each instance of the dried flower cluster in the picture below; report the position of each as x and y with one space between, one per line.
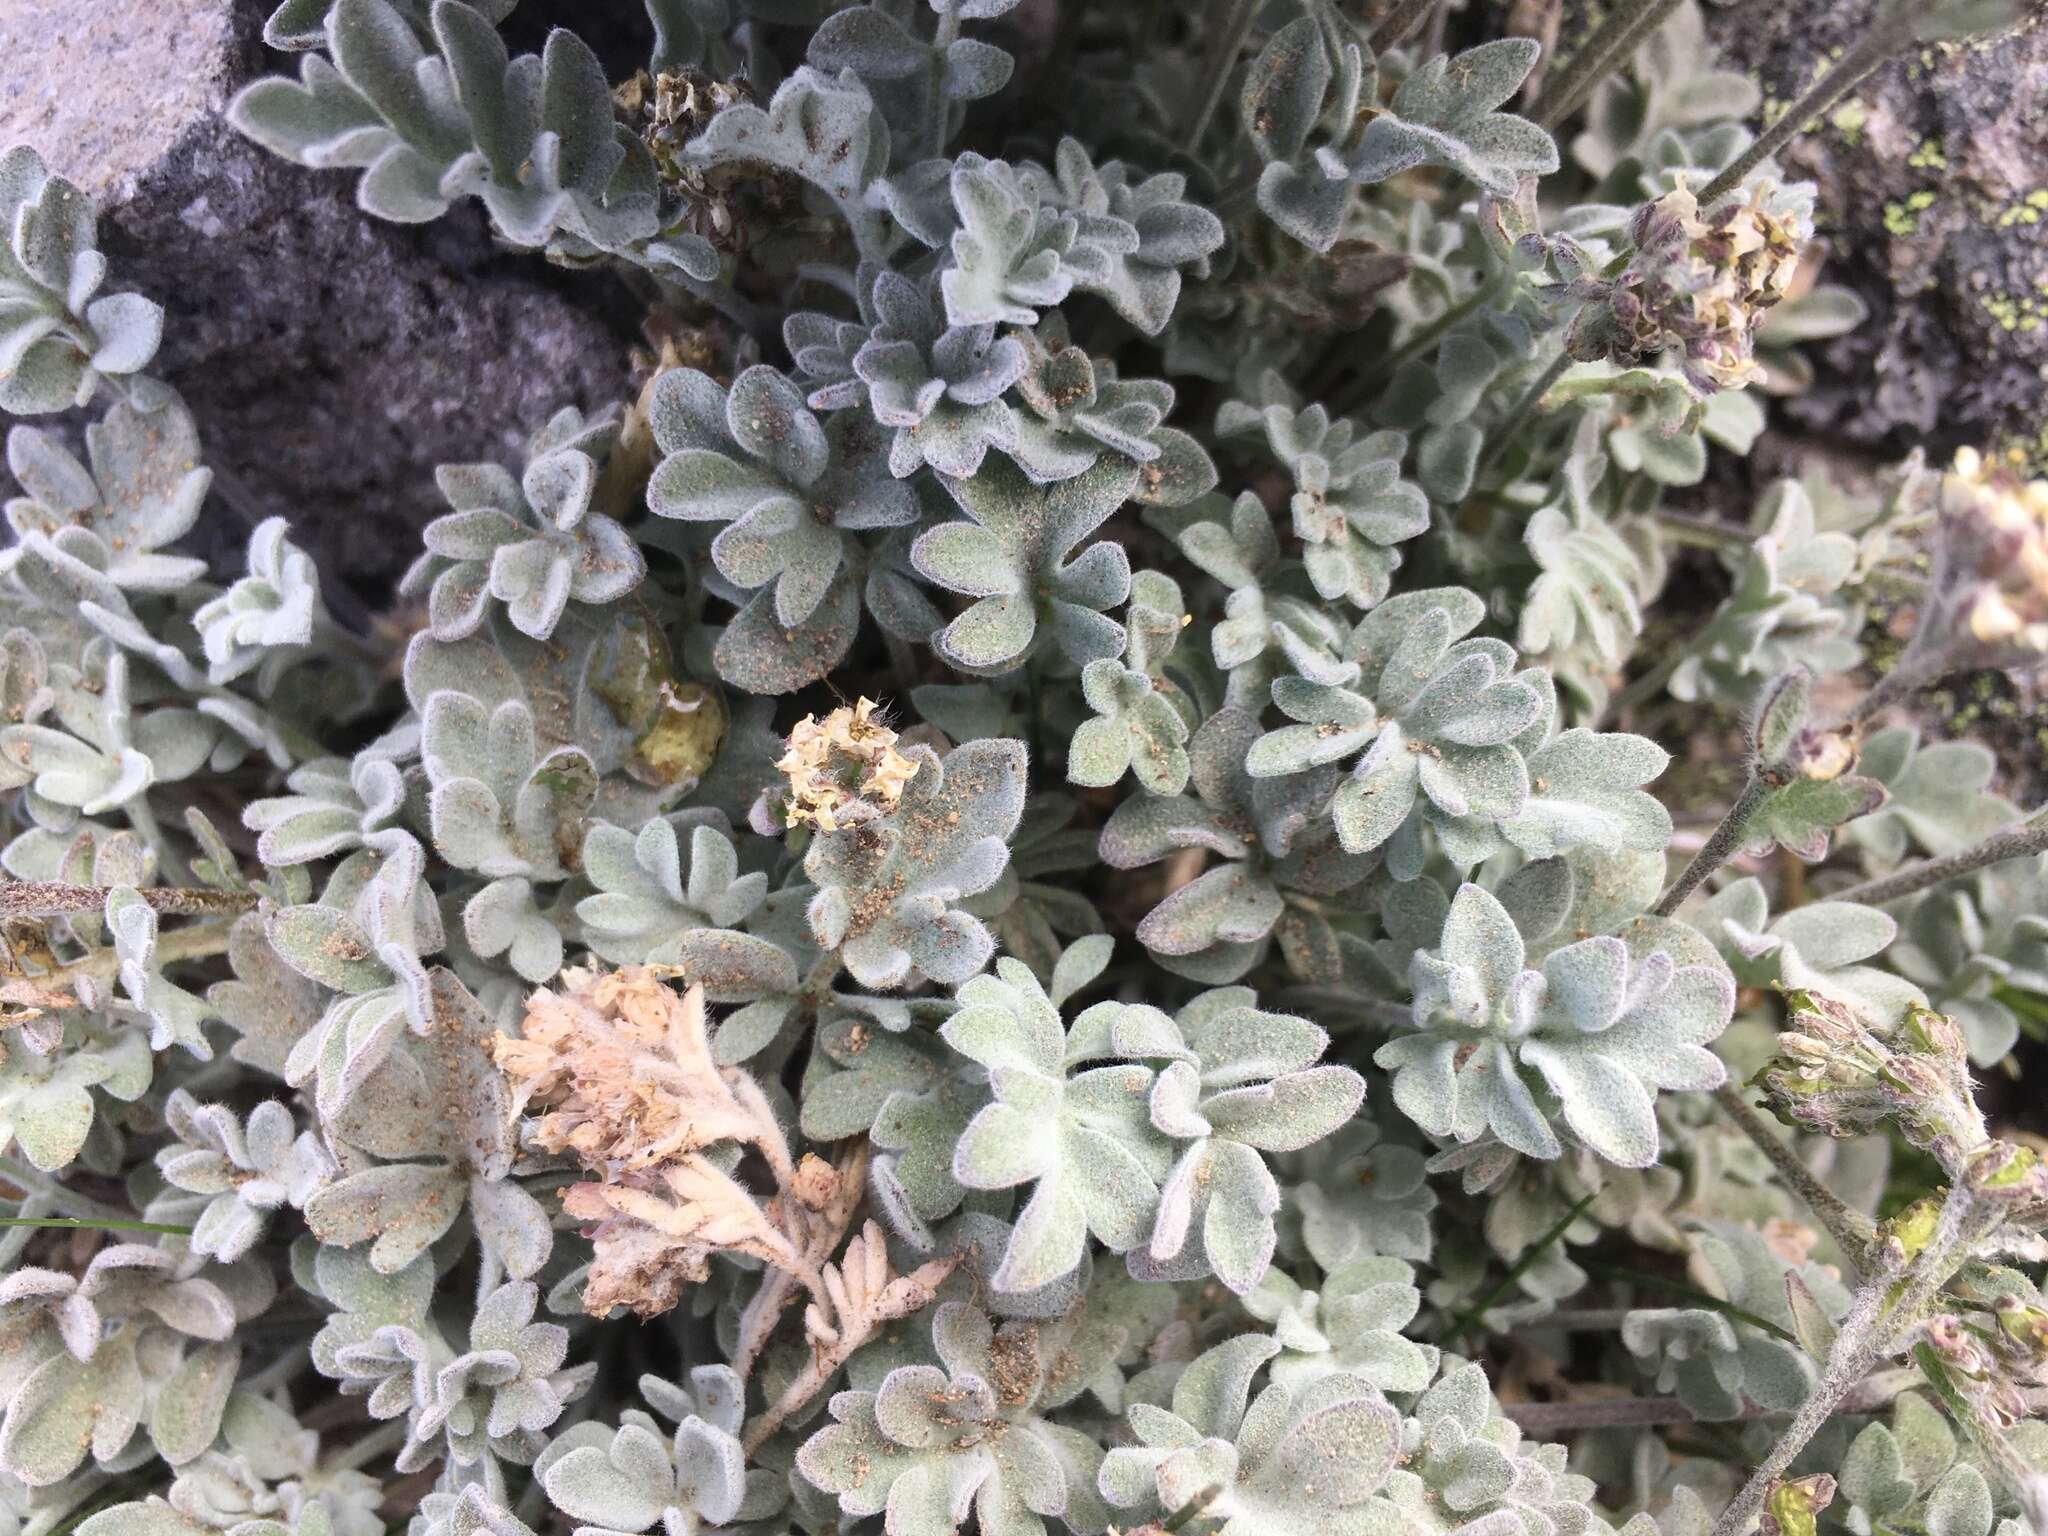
1274 1046
843 769
1701 283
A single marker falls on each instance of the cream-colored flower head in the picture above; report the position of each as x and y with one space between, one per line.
1732 265
843 769
1701 282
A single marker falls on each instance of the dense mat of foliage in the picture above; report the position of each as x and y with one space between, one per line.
1046 889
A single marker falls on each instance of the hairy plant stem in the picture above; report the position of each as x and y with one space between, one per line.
2028 838
193 943
1610 45
800 1391
863 1296
1535 1251
1378 1011
1857 65
936 106
1646 687
1721 847
1551 1420
1578 1320
819 978
106 1496
816 1233
142 818
1397 23
820 1233
1990 1439
1520 412
1846 1364
1907 677
380 1441
1432 332
1563 83
1224 47
1871 1332
756 320
902 662
42 898
1852 1231
1701 532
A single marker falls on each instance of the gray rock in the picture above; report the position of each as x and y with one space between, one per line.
331 360
1933 183
1934 196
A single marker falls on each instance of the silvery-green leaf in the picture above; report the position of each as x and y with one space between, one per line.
1584 791
1600 1031
402 1206
1022 540
1443 114
1937 798
327 945
1097 1173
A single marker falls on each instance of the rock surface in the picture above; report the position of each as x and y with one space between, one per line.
331 360
1934 192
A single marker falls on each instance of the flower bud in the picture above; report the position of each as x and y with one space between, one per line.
1821 755
1932 1034
1913 1077
2001 1171
1824 1077
1974 1371
1905 1235
2024 1326
1824 1017
1792 1506
1833 1075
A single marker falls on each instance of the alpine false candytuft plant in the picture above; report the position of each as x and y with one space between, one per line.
1134 848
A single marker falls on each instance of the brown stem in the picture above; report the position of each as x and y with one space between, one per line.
1397 23
861 1296
1984 1430
1871 1332
1224 46
1852 1231
48 898
817 1237
2030 837
193 943
1609 46
1720 847
1550 1420
1908 676
1519 413
820 976
1857 65
1848 1359
1577 1320
1705 532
